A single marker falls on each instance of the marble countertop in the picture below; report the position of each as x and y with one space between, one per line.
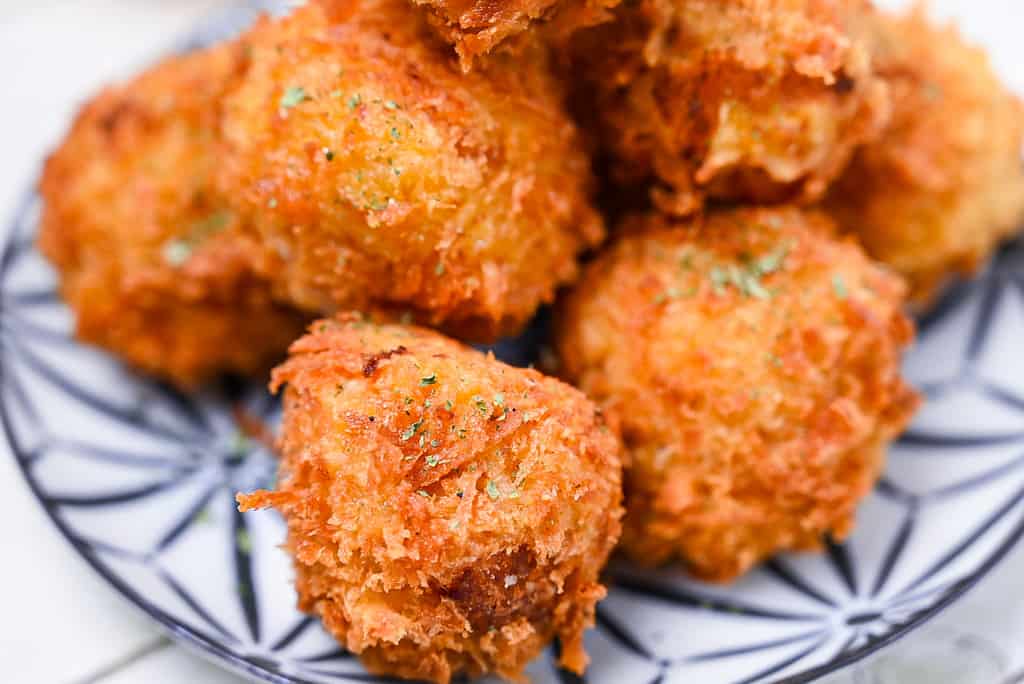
64 625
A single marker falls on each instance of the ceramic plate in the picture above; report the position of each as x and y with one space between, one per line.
141 480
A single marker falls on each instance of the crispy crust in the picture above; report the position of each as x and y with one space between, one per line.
756 405
128 186
757 100
395 181
941 189
476 27
447 513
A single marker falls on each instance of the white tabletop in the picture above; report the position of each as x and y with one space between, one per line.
61 624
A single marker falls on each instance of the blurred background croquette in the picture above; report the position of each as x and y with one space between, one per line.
381 176
945 184
476 27
753 361
153 261
448 514
739 100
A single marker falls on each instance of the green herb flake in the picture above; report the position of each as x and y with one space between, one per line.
428 380
839 285
391 104
395 135
272 203
176 252
354 101
336 94
492 490
432 461
718 279
293 97
424 493
481 405
448 404
499 399
411 431
439 269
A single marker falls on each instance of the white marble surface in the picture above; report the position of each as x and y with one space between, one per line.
63 625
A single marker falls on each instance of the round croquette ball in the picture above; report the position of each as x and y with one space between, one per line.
448 514
753 361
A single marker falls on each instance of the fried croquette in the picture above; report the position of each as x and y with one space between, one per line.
152 261
754 363
383 177
447 513
945 184
736 100
476 27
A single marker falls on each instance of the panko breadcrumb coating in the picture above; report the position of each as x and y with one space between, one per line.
945 184
476 27
757 100
754 363
153 262
384 177
447 513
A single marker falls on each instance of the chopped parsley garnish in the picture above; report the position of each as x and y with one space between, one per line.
395 134
673 293
439 269
176 252
747 278
354 101
492 490
839 285
424 493
448 404
499 399
428 380
391 104
293 97
411 431
432 461
272 203
481 405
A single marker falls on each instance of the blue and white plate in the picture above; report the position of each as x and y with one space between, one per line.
141 480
